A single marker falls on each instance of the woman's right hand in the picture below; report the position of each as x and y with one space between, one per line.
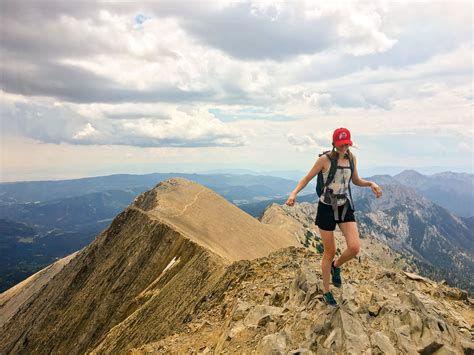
291 200
376 189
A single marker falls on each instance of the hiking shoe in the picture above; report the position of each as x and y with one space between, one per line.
336 275
329 299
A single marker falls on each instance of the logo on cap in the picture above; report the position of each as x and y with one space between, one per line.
342 135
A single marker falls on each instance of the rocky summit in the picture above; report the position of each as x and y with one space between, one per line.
273 305
182 270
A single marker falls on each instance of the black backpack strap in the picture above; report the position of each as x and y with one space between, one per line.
324 153
332 172
351 163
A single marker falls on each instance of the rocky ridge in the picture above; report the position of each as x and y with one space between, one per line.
141 277
274 305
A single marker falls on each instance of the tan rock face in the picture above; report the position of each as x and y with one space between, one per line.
182 270
206 218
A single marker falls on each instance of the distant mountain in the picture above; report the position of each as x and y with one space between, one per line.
285 174
246 187
26 249
410 177
412 224
36 234
453 191
229 171
425 170
70 213
288 174
256 209
382 180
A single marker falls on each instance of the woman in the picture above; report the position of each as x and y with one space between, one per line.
335 207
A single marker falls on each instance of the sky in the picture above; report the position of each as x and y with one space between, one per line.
98 88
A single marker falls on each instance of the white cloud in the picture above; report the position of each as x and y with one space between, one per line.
88 130
51 123
244 78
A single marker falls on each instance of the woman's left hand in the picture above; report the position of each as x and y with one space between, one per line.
376 189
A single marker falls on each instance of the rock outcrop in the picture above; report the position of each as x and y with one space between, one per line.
273 305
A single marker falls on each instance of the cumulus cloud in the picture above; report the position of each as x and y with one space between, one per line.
170 74
59 124
73 84
255 36
97 41
312 140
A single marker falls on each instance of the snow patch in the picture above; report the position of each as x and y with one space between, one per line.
170 264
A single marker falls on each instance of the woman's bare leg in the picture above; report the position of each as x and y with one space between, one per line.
349 229
328 256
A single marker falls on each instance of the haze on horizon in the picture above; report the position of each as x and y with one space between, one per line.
99 88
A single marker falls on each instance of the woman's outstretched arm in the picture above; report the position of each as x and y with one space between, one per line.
317 167
363 183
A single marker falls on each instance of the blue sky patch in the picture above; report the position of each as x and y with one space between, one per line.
139 19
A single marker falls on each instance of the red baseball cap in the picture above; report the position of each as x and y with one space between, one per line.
341 136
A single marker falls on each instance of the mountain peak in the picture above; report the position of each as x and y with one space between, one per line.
451 174
208 219
409 173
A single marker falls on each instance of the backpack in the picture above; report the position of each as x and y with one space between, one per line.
320 185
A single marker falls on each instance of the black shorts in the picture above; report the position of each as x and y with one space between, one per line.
325 216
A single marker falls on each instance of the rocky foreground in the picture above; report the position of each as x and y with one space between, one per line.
274 305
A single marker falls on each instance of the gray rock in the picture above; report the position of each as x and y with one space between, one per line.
273 344
334 341
240 310
382 342
260 315
374 310
277 297
305 288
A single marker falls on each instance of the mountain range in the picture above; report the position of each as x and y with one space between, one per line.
183 270
61 217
